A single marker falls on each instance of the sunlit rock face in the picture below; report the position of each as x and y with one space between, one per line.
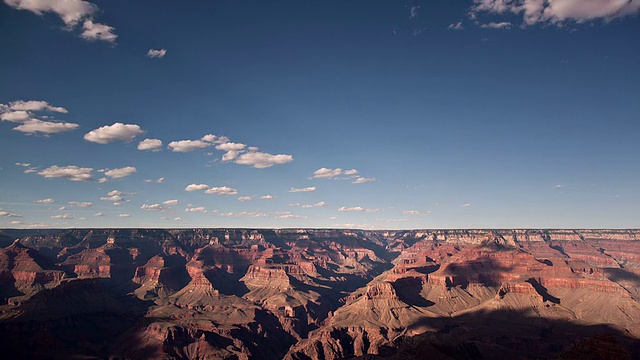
320 294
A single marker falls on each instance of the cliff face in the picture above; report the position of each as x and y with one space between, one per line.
320 294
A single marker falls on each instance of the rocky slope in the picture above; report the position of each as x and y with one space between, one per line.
319 294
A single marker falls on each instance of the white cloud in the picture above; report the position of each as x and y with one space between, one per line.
158 181
35 105
362 180
558 186
71 12
115 132
245 198
156 53
231 146
172 202
243 214
150 144
72 173
188 145
62 216
268 197
16 222
465 205
305 189
80 203
215 139
15 116
309 206
95 31
196 187
326 173
178 218
124 215
112 198
32 126
357 209
103 180
221 190
23 164
45 201
496 25
98 214
62 208
121 172
558 11
196 209
456 26
291 216
261 160
153 207
8 214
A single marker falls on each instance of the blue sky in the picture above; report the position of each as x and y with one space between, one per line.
390 114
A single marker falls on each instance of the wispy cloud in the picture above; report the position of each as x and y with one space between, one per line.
304 189
156 53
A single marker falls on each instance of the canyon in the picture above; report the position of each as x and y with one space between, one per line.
320 294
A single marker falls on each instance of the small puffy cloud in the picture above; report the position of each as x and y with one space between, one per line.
305 189
221 190
262 160
357 209
80 203
16 222
558 186
268 197
33 126
196 187
121 172
73 173
188 145
291 216
362 180
243 214
103 180
62 216
156 53
150 144
98 214
23 164
178 218
309 206
95 31
158 181
416 212
124 215
15 116
326 173
496 25
196 209
230 146
45 201
465 205
171 202
62 208
8 214
245 198
456 26
215 139
35 105
116 132
112 198
153 207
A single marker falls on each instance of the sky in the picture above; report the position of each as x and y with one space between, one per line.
320 114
